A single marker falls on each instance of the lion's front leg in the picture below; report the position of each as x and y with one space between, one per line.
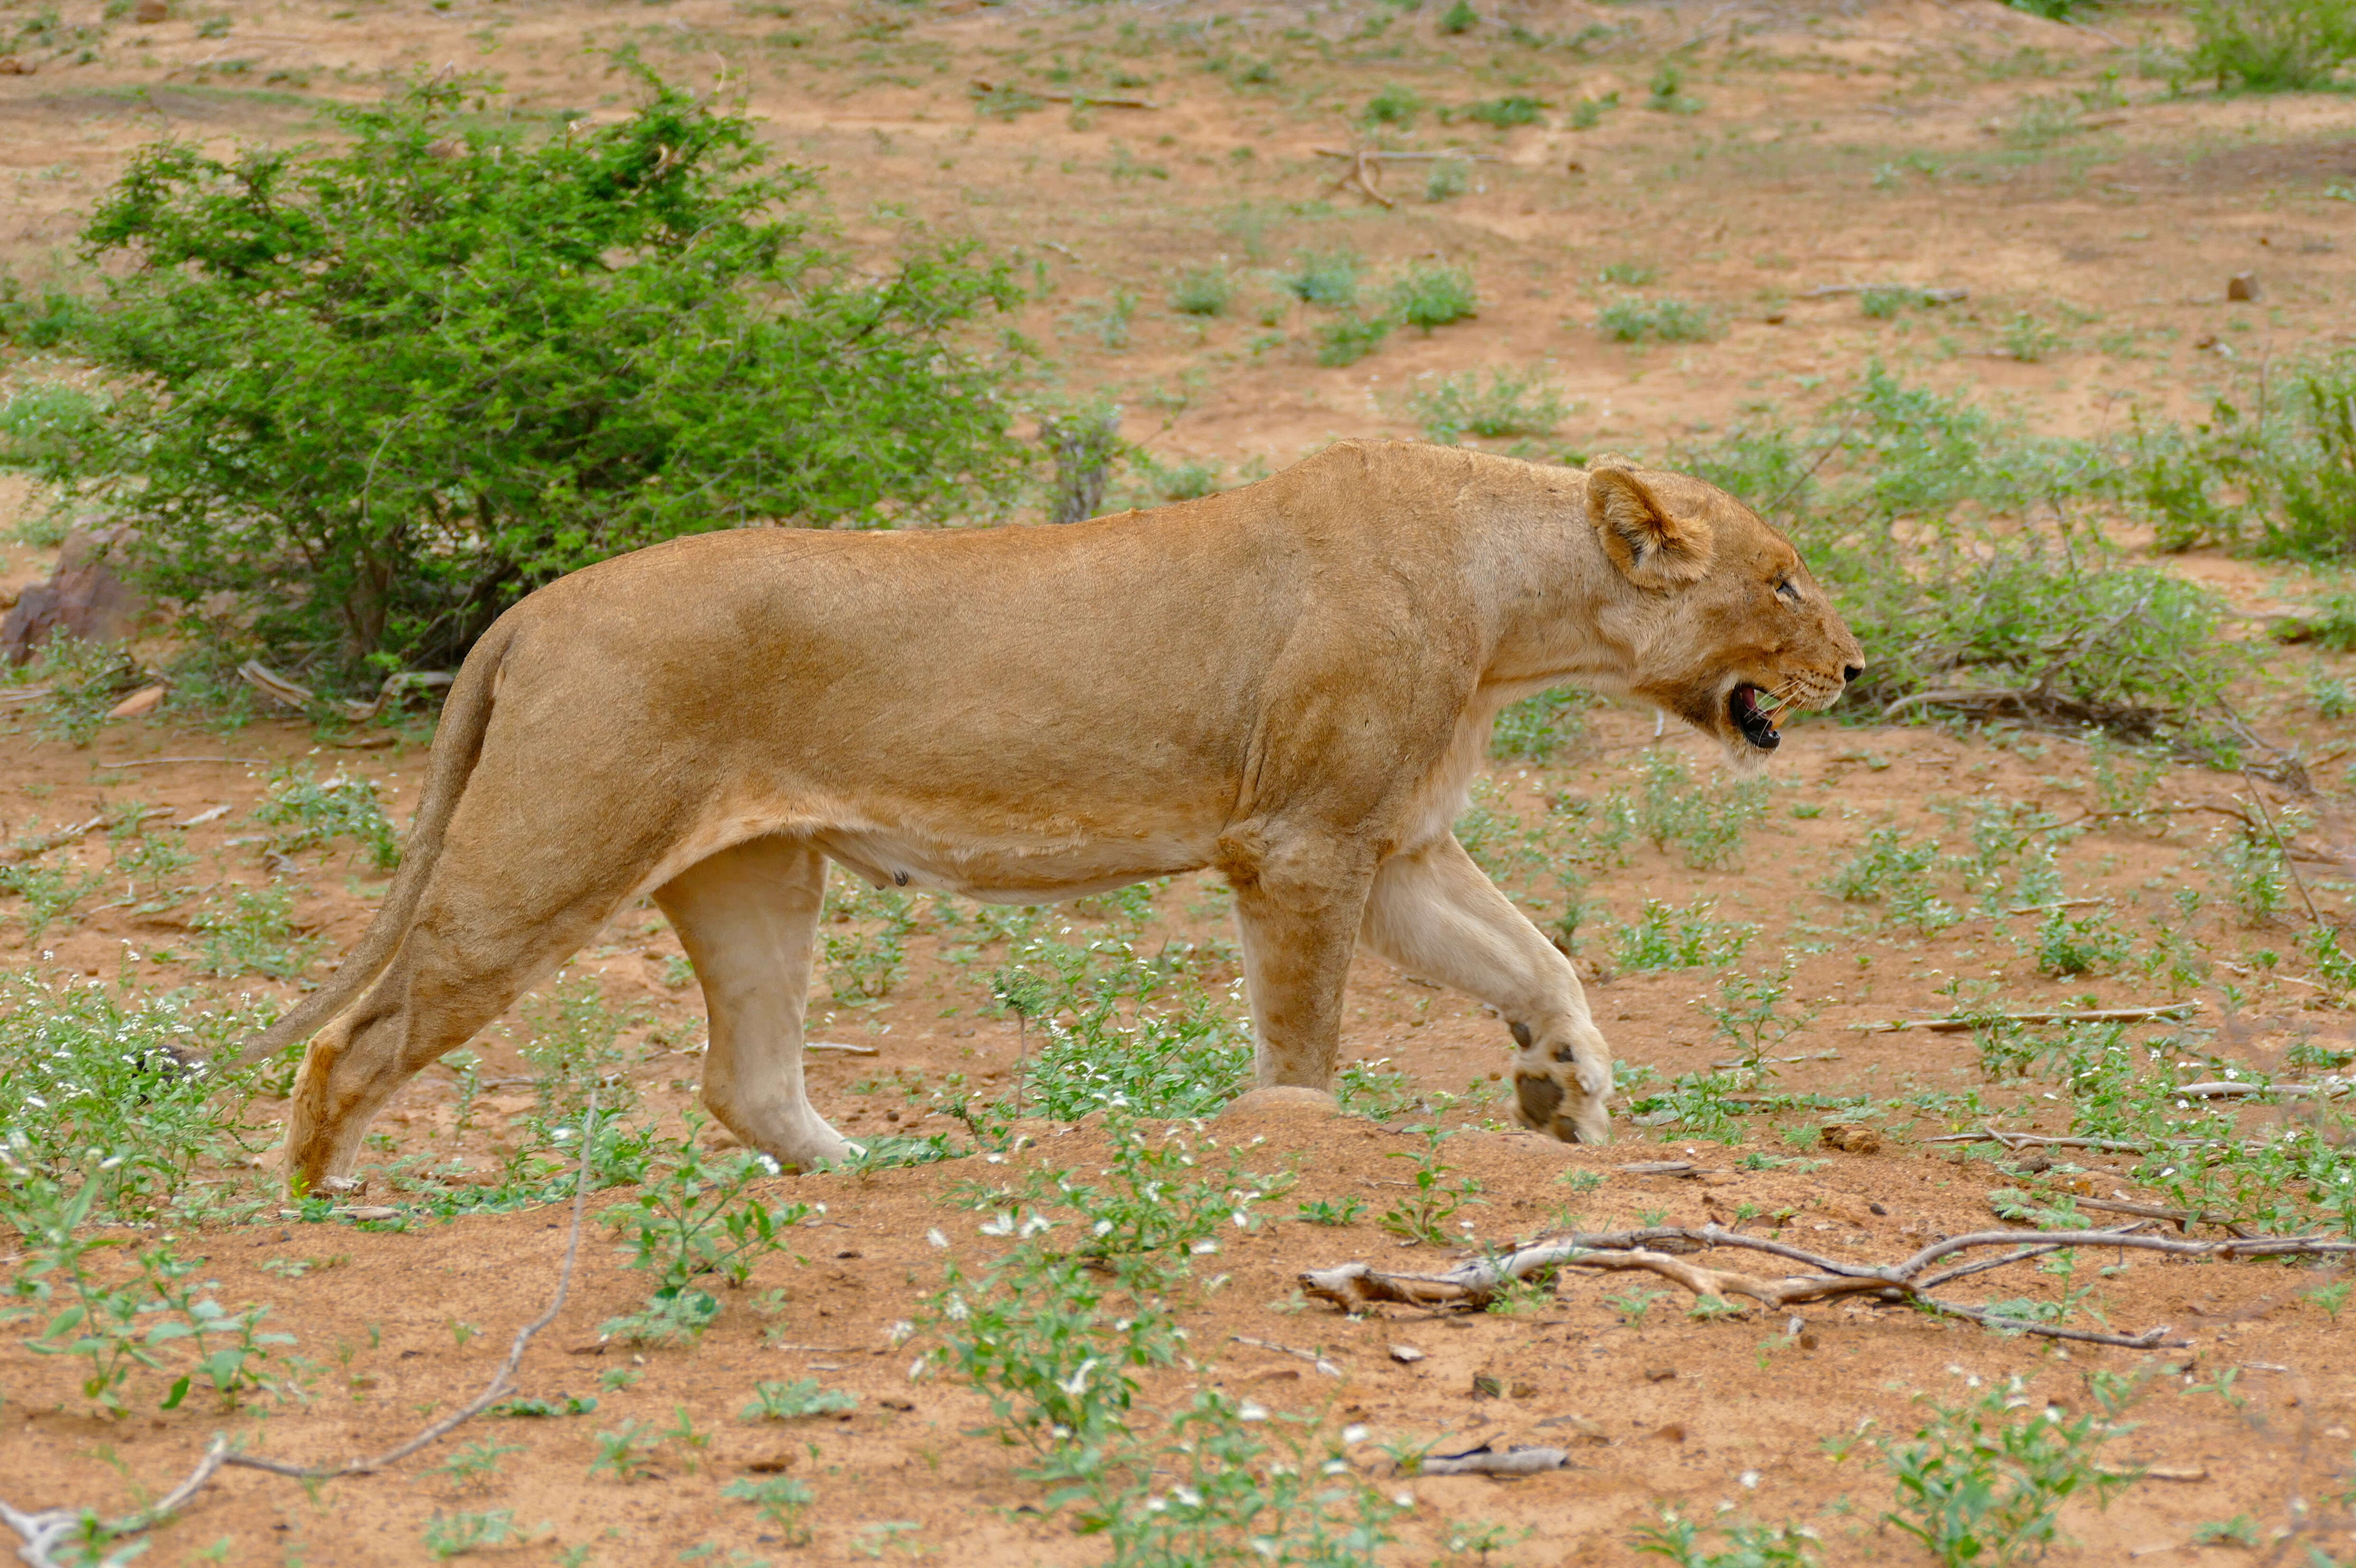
1433 913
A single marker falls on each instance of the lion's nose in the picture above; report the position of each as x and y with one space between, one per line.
1851 671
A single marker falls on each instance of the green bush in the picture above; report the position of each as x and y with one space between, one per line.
2271 46
1433 293
1448 179
45 423
383 389
2280 482
1324 277
1202 291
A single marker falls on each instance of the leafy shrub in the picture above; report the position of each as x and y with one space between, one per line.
793 1401
1394 105
510 358
1460 19
1662 936
1984 1482
1202 291
1329 278
2271 46
1350 338
1670 321
1511 402
695 1216
38 323
1433 293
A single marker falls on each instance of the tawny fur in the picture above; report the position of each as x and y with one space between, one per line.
1292 683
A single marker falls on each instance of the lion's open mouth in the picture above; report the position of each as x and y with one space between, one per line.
1757 724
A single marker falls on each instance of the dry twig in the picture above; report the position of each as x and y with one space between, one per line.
1474 1283
49 1529
2044 1016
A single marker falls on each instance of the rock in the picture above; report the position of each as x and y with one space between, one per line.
1850 1139
150 12
1659 1374
11 66
2242 286
84 598
1406 1355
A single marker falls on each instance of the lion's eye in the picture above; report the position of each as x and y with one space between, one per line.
1789 591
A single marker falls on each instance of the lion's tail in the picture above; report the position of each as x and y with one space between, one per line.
458 746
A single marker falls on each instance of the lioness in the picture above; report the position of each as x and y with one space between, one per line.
1292 683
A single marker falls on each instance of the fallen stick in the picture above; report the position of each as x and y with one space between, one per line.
50 1527
1474 1283
1312 1357
48 842
159 762
2180 1218
1078 99
2232 1091
2043 1015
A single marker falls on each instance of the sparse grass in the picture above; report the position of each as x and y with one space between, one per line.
1633 320
1433 293
1509 402
2271 46
1983 1481
1328 277
1202 291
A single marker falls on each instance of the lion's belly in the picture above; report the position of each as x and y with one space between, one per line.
1035 871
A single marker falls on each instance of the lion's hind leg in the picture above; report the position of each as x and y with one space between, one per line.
748 918
1433 913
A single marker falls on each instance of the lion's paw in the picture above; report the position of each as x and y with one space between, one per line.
1561 1098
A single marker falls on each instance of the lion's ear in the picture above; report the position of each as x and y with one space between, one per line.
1651 548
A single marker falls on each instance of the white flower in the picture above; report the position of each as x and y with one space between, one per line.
1205 1247
1001 1226
935 1236
1034 1223
1247 1411
1077 1384
1354 1433
901 1332
1749 1480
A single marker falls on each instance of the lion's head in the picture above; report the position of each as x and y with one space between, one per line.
1738 630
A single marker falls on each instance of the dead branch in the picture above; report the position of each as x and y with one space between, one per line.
2175 1010
293 694
51 1528
1472 1284
2258 799
2180 1218
33 848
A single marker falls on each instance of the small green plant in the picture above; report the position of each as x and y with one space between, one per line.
1433 293
694 1216
793 1401
1459 18
1435 1200
460 1534
1447 179
2029 340
2256 879
1634 1303
253 934
1343 1212
1680 1539
1705 821
477 1464
1202 291
310 813
1588 113
866 958
1669 93
1509 402
1350 338
1507 113
2067 947
1984 1482
2242 1529
1664 936
1394 105
1328 277
627 1452
1631 275
780 1500
1633 320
